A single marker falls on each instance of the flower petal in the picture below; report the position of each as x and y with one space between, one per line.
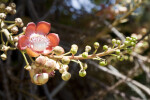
22 42
54 39
30 29
43 28
47 51
32 53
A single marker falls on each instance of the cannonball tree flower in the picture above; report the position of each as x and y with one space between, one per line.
36 40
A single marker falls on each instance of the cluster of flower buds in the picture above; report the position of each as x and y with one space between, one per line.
41 70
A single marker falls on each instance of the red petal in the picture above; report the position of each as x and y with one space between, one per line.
47 51
54 39
23 42
43 28
32 53
30 29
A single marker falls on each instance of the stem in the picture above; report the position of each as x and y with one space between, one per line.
12 22
25 58
66 53
79 57
2 38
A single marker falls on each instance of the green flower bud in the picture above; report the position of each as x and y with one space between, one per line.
85 66
118 42
127 43
27 67
96 45
117 51
128 38
74 49
133 44
102 63
84 54
64 68
65 60
87 48
82 73
122 58
66 76
58 50
114 41
105 47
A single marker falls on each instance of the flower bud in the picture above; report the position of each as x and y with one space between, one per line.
58 50
40 79
82 73
85 66
84 54
27 67
14 30
8 9
117 51
15 38
105 47
3 56
127 43
18 21
66 76
128 38
24 29
2 6
114 41
96 45
13 5
102 63
118 42
65 60
87 48
13 12
41 60
5 48
64 68
74 49
50 64
33 66
133 44
2 15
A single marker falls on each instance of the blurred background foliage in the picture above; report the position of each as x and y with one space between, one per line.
83 22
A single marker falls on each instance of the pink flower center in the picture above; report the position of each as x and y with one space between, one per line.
38 42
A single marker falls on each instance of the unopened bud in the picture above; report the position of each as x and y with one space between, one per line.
13 12
15 38
96 45
27 67
50 64
114 41
117 51
74 49
24 29
105 47
66 76
118 42
102 63
2 15
85 66
82 73
2 6
58 50
18 22
65 60
84 54
14 30
13 5
41 60
8 9
40 79
87 48
64 68
3 56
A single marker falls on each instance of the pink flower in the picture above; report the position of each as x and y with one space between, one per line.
36 40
